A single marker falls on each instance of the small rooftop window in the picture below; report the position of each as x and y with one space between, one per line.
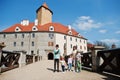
34 28
17 29
70 32
51 28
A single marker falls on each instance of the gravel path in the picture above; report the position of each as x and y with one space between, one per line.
43 70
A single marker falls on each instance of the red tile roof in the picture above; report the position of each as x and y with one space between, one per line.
45 6
43 28
89 45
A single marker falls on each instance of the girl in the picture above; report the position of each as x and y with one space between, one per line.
78 61
70 63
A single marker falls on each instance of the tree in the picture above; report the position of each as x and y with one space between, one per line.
100 43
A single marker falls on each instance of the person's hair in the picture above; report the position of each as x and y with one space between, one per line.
57 45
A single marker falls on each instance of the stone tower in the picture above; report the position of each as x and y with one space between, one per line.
44 14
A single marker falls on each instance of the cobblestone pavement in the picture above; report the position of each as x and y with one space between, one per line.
43 70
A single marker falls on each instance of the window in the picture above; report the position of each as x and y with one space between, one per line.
70 38
84 48
4 36
76 39
51 28
64 37
33 35
50 44
22 43
80 40
51 35
80 47
71 45
15 35
84 41
23 35
14 44
33 43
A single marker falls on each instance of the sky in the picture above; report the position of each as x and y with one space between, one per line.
96 20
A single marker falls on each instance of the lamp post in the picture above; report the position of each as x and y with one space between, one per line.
2 45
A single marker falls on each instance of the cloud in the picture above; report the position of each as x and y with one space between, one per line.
110 41
103 31
86 23
117 32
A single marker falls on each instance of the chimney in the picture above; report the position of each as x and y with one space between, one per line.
25 22
69 27
36 22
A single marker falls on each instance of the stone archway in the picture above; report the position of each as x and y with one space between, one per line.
50 56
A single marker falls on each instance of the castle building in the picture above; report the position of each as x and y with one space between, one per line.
41 36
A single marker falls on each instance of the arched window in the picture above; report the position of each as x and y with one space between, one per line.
51 28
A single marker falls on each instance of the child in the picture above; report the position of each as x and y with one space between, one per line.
63 64
78 62
70 63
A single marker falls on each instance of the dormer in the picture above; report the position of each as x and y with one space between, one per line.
70 32
34 28
51 28
79 35
17 29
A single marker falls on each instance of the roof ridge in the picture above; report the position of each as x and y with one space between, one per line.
45 5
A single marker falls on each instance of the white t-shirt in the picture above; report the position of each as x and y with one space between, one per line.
69 60
62 62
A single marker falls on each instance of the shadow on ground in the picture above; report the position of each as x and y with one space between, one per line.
50 69
108 75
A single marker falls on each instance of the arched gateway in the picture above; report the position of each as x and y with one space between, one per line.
50 56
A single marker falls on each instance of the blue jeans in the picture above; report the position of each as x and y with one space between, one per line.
70 66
